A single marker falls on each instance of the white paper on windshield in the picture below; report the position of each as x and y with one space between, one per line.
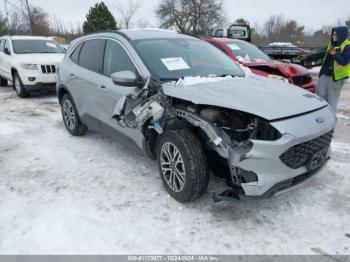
175 63
50 45
234 47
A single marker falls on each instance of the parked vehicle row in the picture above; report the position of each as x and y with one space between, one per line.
30 63
188 105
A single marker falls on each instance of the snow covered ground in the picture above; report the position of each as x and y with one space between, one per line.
89 195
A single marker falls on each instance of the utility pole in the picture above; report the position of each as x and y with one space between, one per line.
30 17
6 13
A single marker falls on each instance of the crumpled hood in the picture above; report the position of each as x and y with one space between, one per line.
256 95
287 69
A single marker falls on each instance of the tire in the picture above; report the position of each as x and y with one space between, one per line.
3 82
19 87
191 162
70 117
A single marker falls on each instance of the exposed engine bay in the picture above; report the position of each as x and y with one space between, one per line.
228 133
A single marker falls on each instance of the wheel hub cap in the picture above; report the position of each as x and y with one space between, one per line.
69 114
173 167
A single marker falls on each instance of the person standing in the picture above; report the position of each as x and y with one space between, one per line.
335 70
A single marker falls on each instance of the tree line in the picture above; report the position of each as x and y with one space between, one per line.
194 17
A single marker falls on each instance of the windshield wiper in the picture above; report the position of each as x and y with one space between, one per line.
171 79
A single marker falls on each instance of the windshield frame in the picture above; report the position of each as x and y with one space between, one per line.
57 48
158 77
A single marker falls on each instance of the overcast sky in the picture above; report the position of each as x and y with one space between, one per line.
313 14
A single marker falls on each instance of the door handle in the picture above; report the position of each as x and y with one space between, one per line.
72 76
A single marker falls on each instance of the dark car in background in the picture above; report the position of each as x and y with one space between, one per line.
261 64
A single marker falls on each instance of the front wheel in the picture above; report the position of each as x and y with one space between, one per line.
19 87
71 118
182 165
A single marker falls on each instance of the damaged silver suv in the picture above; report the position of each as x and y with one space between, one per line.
191 108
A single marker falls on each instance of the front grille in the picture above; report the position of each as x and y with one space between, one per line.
301 80
300 155
48 69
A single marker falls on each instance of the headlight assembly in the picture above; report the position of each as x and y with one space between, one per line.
277 77
265 131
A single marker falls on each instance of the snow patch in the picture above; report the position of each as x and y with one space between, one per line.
195 80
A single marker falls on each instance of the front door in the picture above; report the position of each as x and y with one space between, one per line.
116 59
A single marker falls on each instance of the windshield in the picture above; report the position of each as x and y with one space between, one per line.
36 46
246 52
238 33
172 59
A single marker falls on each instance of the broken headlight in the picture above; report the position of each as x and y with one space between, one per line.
237 125
265 131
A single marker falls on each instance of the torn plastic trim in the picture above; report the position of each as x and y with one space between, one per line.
134 111
230 149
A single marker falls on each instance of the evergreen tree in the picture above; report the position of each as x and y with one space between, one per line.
99 18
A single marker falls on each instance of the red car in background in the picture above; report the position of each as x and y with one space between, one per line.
261 64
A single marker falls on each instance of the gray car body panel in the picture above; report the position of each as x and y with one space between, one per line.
294 110
269 99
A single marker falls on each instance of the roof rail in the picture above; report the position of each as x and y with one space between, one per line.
149 29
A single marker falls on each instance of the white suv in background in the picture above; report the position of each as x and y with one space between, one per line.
31 63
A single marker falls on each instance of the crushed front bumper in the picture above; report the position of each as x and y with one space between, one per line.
264 159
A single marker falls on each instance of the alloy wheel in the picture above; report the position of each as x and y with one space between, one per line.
173 167
69 114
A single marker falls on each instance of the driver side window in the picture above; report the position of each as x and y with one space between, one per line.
116 59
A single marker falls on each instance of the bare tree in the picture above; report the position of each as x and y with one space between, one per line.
143 23
190 16
273 27
127 13
278 28
39 20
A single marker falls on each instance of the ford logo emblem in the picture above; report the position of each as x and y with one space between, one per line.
319 120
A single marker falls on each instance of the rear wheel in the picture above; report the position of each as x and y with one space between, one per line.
3 81
19 87
71 118
182 165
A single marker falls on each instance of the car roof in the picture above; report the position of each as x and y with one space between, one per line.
26 37
144 33
226 40
149 33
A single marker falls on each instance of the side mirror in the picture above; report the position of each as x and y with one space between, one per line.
124 78
7 51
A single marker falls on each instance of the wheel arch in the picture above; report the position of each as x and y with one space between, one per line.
13 71
61 91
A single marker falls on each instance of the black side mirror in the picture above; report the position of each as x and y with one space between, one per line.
7 51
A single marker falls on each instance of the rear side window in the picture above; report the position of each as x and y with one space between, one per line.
91 55
116 59
2 44
75 55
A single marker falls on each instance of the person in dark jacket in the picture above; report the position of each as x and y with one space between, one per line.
335 70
